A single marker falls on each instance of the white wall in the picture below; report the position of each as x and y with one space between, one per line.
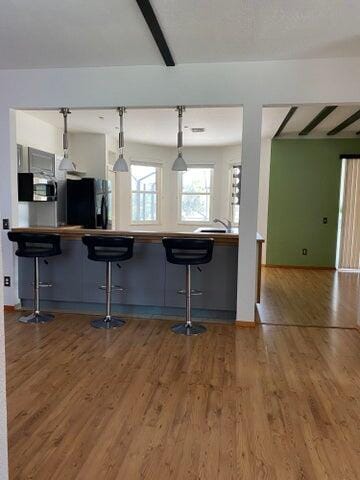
3 425
219 157
88 151
33 132
262 222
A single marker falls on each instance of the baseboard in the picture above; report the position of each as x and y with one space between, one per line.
174 313
243 324
9 308
304 267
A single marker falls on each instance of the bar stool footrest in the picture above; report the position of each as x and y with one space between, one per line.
43 285
114 288
194 292
188 330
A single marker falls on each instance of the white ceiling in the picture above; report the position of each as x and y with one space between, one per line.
67 33
223 126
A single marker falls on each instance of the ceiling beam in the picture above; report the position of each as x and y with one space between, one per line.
325 112
154 26
285 121
353 118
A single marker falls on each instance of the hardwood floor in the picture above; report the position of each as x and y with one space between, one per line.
142 403
310 297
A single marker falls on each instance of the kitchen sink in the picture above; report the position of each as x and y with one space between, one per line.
210 230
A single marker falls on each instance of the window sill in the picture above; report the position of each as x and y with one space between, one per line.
191 222
140 224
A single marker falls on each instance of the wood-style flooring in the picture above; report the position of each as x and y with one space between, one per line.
324 298
269 402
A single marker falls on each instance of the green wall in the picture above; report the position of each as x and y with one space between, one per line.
304 188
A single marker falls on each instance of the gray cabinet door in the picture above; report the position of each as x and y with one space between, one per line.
143 276
217 280
148 279
64 272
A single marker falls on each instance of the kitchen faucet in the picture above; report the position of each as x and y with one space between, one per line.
227 225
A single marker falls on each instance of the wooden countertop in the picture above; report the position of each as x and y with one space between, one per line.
76 232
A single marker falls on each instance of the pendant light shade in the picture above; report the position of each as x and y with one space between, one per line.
66 163
179 164
120 165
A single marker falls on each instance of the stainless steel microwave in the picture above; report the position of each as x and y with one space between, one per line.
36 188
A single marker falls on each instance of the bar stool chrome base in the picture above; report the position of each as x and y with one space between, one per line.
188 330
37 318
108 323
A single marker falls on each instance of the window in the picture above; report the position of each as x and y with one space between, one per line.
145 189
196 194
235 191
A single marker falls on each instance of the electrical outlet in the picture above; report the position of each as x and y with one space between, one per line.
7 281
325 220
304 251
6 224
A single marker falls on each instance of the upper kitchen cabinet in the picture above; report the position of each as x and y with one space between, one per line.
41 162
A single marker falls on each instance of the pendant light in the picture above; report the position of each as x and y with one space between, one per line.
120 165
179 164
66 164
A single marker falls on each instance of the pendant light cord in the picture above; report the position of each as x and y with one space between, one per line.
65 112
180 132
121 111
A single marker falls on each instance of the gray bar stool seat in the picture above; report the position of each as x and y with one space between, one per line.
36 245
108 249
188 252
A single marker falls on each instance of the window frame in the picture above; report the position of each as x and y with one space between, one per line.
210 194
159 175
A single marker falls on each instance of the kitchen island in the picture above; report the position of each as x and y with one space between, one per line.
150 282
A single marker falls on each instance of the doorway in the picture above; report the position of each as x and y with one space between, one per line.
312 236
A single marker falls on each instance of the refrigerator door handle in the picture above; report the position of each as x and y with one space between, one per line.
104 213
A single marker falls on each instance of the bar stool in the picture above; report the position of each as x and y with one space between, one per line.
36 245
108 249
188 252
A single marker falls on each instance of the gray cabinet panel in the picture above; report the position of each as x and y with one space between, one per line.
217 280
148 278
143 276
26 277
62 271
93 278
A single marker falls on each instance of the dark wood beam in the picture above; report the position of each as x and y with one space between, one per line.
353 118
154 26
325 112
285 121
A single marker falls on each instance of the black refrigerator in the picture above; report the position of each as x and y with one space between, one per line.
89 202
